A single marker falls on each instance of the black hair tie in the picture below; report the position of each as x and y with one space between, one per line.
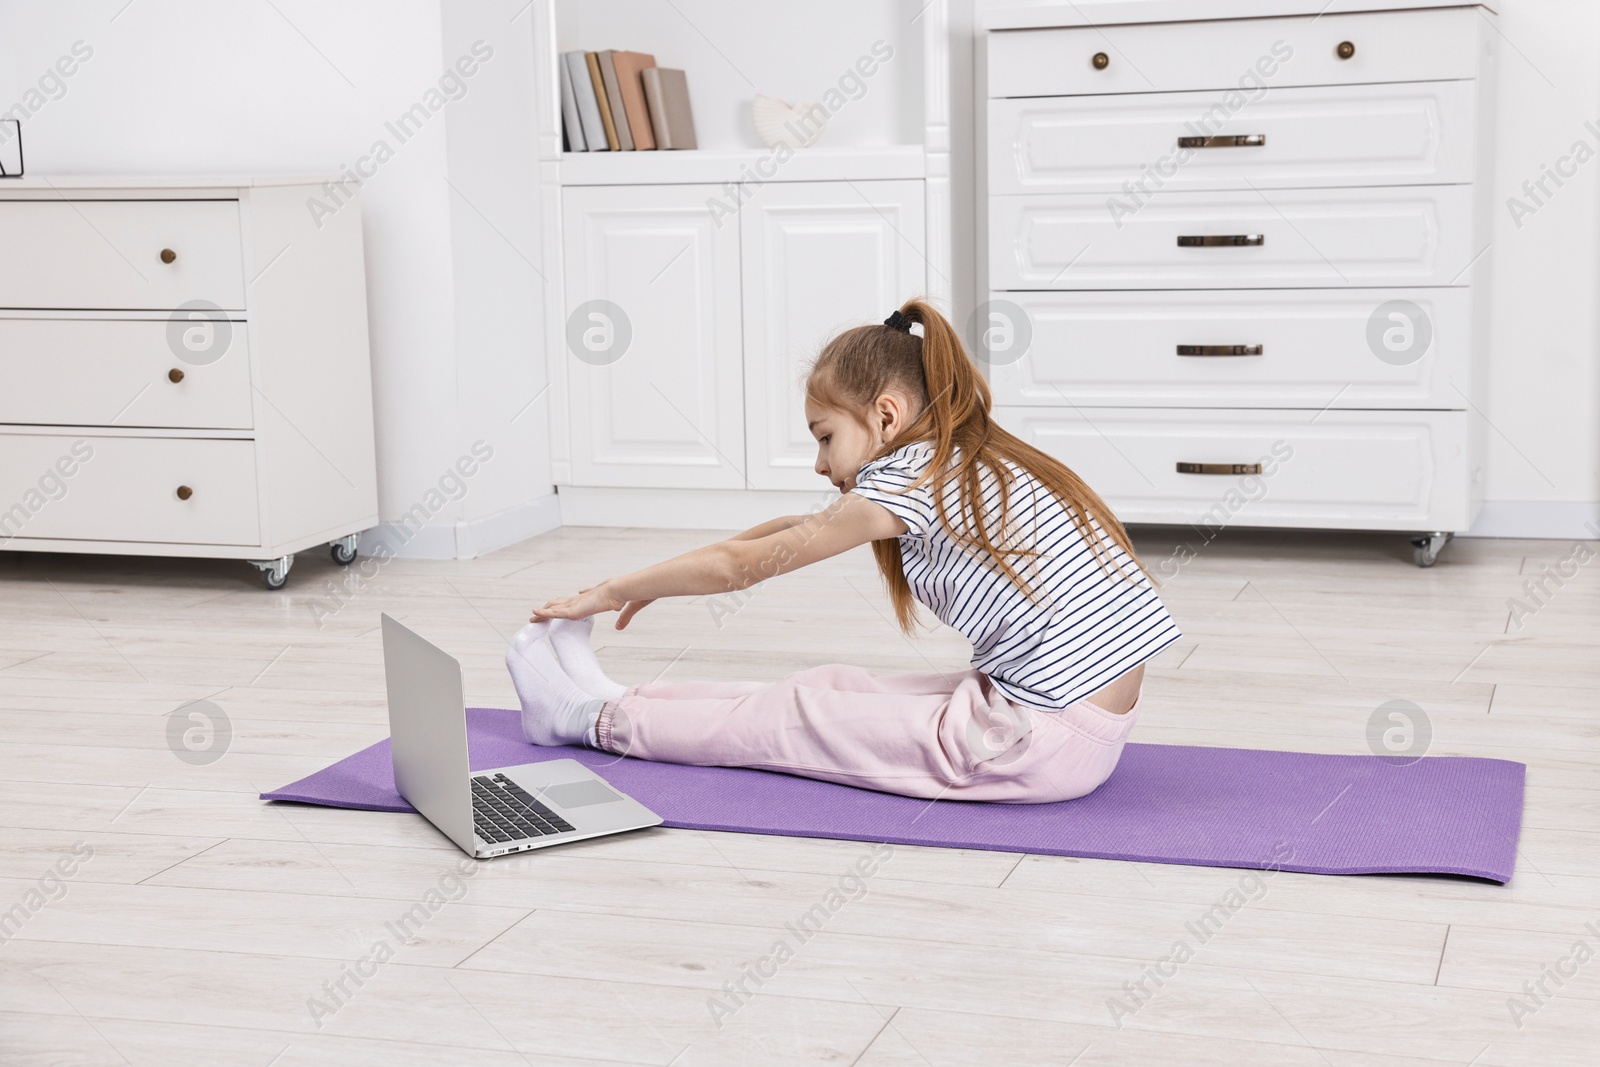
899 321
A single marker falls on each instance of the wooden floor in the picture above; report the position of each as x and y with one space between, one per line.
206 925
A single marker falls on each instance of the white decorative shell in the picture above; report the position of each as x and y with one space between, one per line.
780 123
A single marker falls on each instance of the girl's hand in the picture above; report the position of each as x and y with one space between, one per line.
633 608
590 601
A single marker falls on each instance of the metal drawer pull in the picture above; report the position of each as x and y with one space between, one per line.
184 492
1219 350
1227 240
1236 140
1219 468
1100 61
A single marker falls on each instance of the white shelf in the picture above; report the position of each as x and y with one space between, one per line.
815 164
1120 12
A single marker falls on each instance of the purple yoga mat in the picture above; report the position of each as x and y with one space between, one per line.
1210 807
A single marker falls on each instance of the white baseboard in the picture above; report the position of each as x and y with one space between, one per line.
1566 520
434 541
739 509
470 539
482 536
686 509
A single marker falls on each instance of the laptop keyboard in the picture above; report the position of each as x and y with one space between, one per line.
504 811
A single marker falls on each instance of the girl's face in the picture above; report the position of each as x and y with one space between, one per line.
844 444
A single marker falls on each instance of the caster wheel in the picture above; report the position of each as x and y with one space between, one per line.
1425 549
342 554
274 572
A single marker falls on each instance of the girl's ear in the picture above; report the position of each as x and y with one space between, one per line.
890 415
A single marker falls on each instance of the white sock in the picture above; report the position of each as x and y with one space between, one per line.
554 710
571 640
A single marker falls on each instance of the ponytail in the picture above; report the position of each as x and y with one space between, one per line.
860 364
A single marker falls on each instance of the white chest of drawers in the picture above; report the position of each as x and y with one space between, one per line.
1233 255
184 370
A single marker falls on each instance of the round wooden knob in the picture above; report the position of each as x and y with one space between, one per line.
174 375
1101 61
184 492
168 255
1346 49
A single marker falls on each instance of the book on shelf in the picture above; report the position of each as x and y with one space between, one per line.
619 118
592 130
598 81
571 125
666 91
615 100
629 65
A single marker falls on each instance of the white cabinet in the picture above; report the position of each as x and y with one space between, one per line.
1222 233
818 258
652 350
688 329
185 370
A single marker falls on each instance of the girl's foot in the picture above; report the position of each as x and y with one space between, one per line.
555 711
571 640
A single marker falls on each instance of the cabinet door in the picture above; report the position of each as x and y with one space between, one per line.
652 338
819 257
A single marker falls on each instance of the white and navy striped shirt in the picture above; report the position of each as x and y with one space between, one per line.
1090 625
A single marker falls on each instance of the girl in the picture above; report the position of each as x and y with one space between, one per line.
904 432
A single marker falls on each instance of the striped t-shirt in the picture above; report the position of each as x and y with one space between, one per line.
1090 625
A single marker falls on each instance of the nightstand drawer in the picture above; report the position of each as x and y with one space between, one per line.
1293 348
103 372
152 489
111 254
1390 236
1132 145
1241 54
1398 470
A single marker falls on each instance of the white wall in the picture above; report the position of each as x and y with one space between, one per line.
305 87
1544 393
1543 414
500 295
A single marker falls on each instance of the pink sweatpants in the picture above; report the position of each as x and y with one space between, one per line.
922 734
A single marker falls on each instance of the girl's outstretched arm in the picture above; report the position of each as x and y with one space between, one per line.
771 526
736 563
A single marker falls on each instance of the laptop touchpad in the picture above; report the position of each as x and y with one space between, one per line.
580 794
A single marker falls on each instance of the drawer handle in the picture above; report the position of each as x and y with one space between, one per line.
1223 240
168 255
174 375
184 492
1345 50
1100 61
1219 468
1219 350
1233 140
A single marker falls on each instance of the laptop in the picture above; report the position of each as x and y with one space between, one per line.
494 812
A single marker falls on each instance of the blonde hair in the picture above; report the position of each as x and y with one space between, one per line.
862 363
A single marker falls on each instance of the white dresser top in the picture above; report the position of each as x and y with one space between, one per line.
1115 12
140 181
